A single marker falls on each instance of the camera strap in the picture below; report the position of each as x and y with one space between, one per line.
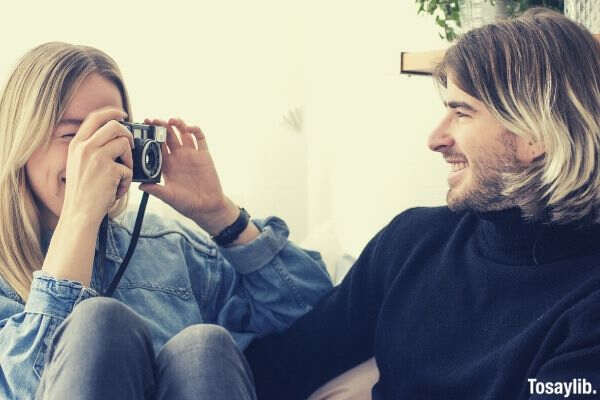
134 238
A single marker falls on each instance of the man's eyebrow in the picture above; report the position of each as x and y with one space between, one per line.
460 104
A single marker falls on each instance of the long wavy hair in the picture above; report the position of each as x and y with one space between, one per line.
539 75
32 102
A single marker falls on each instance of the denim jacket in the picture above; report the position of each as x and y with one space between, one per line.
175 278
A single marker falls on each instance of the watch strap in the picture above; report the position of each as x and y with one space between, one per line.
233 231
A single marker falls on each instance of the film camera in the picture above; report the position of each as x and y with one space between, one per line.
146 153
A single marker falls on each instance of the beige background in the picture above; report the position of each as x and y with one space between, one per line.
357 154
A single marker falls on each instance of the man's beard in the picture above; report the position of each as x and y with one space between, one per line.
484 194
488 181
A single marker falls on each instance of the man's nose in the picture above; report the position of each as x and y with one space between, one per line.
440 138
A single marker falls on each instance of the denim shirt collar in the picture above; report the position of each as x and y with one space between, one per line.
111 245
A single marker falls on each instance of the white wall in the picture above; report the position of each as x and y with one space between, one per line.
368 125
236 68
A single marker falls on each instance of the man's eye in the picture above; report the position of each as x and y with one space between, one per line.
460 115
68 135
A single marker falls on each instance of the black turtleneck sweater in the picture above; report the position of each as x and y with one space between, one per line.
452 306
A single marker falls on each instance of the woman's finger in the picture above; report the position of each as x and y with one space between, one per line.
200 138
125 181
95 120
187 138
172 140
109 131
119 148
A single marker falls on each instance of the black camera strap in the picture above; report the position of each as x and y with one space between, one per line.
134 238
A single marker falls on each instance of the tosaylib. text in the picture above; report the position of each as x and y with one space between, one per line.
565 389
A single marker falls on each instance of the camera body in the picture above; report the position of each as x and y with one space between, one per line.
146 152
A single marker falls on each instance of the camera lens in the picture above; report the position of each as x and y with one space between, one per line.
151 159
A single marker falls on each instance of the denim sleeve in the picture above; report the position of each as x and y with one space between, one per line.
26 331
265 285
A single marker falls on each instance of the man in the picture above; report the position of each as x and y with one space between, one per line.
497 295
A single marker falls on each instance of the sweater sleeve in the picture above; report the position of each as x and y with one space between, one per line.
335 336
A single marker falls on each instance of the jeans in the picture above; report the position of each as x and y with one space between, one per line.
103 350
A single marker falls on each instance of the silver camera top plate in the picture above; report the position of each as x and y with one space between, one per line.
160 134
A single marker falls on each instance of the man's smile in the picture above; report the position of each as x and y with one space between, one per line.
458 166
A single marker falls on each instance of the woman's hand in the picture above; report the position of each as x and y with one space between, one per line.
191 184
94 177
94 181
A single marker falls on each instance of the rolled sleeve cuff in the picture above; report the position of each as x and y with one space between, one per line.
55 297
252 256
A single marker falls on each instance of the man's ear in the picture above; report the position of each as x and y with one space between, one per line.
529 150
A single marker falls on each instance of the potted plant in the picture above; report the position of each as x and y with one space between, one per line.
454 16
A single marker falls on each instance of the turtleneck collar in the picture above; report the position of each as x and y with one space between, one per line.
505 237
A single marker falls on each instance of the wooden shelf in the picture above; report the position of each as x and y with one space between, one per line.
421 63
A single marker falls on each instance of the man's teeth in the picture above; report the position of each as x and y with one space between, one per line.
457 166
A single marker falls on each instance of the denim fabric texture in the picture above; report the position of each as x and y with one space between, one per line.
177 277
200 362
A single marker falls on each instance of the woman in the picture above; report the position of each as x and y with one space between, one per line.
66 162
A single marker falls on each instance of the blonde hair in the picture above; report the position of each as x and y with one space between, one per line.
539 75
32 102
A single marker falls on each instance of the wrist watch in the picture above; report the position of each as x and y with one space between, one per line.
233 231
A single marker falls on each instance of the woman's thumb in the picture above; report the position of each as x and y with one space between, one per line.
154 189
